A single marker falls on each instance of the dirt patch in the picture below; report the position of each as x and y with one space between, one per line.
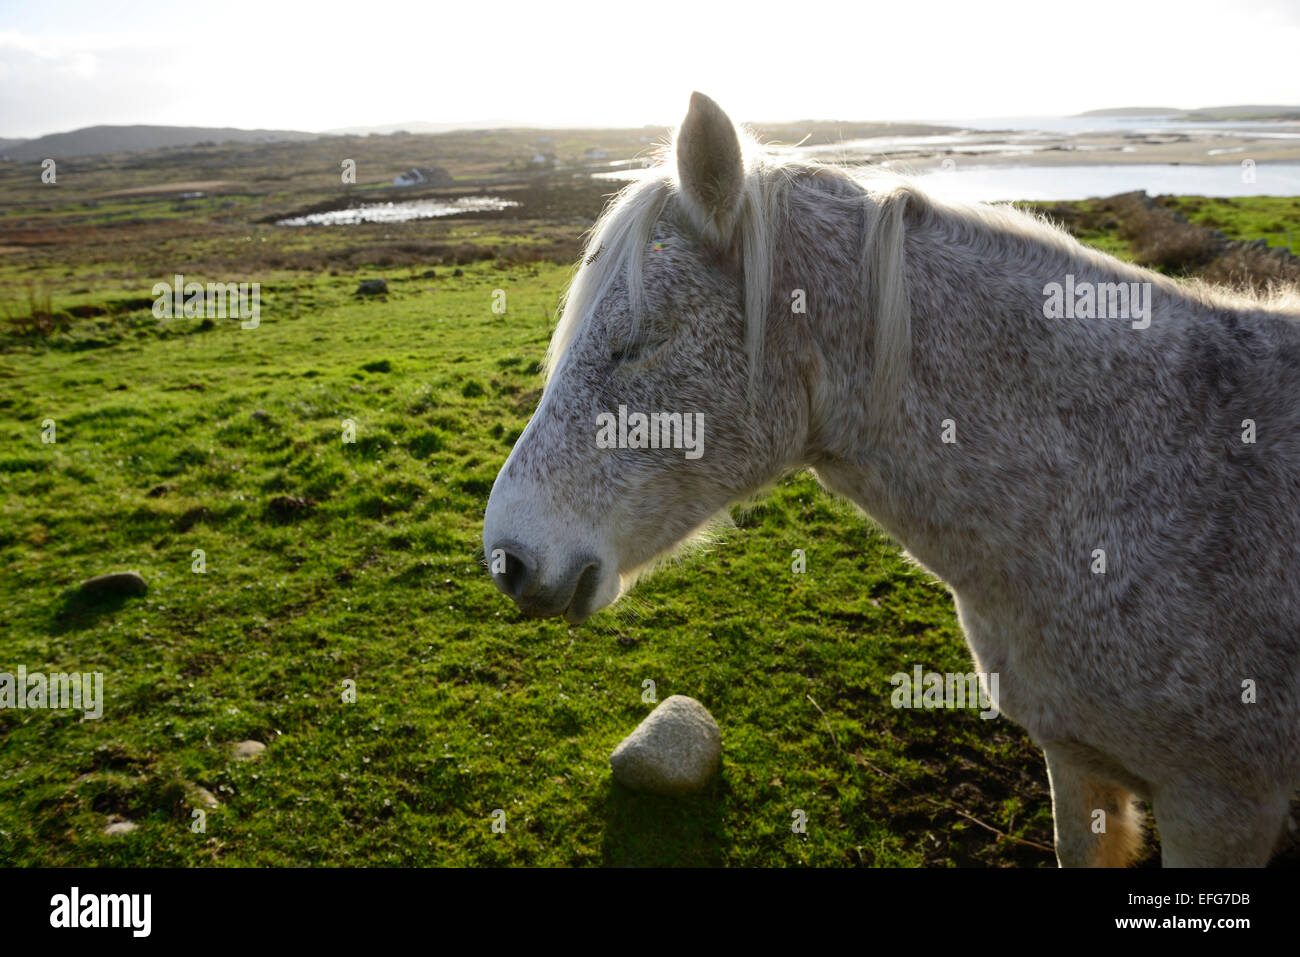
163 189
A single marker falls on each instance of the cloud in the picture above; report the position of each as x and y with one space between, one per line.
53 83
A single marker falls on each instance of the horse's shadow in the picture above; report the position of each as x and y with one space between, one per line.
643 830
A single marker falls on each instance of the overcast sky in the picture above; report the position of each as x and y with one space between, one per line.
313 66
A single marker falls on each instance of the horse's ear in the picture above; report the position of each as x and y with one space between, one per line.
709 165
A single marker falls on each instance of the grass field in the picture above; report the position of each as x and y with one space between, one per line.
329 561
170 444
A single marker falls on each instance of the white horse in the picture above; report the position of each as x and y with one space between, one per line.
1101 463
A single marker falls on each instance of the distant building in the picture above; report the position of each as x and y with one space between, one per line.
594 153
543 159
424 176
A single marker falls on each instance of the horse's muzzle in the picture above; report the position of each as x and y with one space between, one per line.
571 594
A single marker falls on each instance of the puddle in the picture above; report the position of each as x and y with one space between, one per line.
400 212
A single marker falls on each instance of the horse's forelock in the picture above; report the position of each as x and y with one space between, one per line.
618 240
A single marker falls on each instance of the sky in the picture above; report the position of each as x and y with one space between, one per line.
319 66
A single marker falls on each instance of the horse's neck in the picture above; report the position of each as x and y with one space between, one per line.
981 440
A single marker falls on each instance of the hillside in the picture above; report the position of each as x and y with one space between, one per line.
95 140
1241 112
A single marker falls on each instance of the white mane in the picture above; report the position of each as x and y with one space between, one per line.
618 240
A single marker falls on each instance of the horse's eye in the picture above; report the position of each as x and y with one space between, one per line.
627 353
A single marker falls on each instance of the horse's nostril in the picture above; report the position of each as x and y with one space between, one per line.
513 570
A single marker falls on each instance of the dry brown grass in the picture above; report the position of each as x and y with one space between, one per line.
1161 238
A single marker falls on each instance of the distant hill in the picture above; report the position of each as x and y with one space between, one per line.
94 140
6 145
1244 112
1135 111
420 126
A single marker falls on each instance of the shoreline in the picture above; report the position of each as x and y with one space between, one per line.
1026 148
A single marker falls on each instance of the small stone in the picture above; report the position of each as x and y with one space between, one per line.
247 750
202 797
458 272
429 274
372 287
287 506
115 583
674 751
120 827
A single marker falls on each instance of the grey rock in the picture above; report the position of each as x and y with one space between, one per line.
248 749
674 751
289 506
372 287
115 583
120 827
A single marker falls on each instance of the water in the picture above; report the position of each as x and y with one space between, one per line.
989 184
972 145
1285 129
623 175
971 183
401 212
1029 139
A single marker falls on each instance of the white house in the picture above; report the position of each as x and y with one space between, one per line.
426 175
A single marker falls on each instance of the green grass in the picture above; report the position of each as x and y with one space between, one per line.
463 706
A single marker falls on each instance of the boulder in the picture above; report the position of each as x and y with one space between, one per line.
674 751
115 583
246 750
